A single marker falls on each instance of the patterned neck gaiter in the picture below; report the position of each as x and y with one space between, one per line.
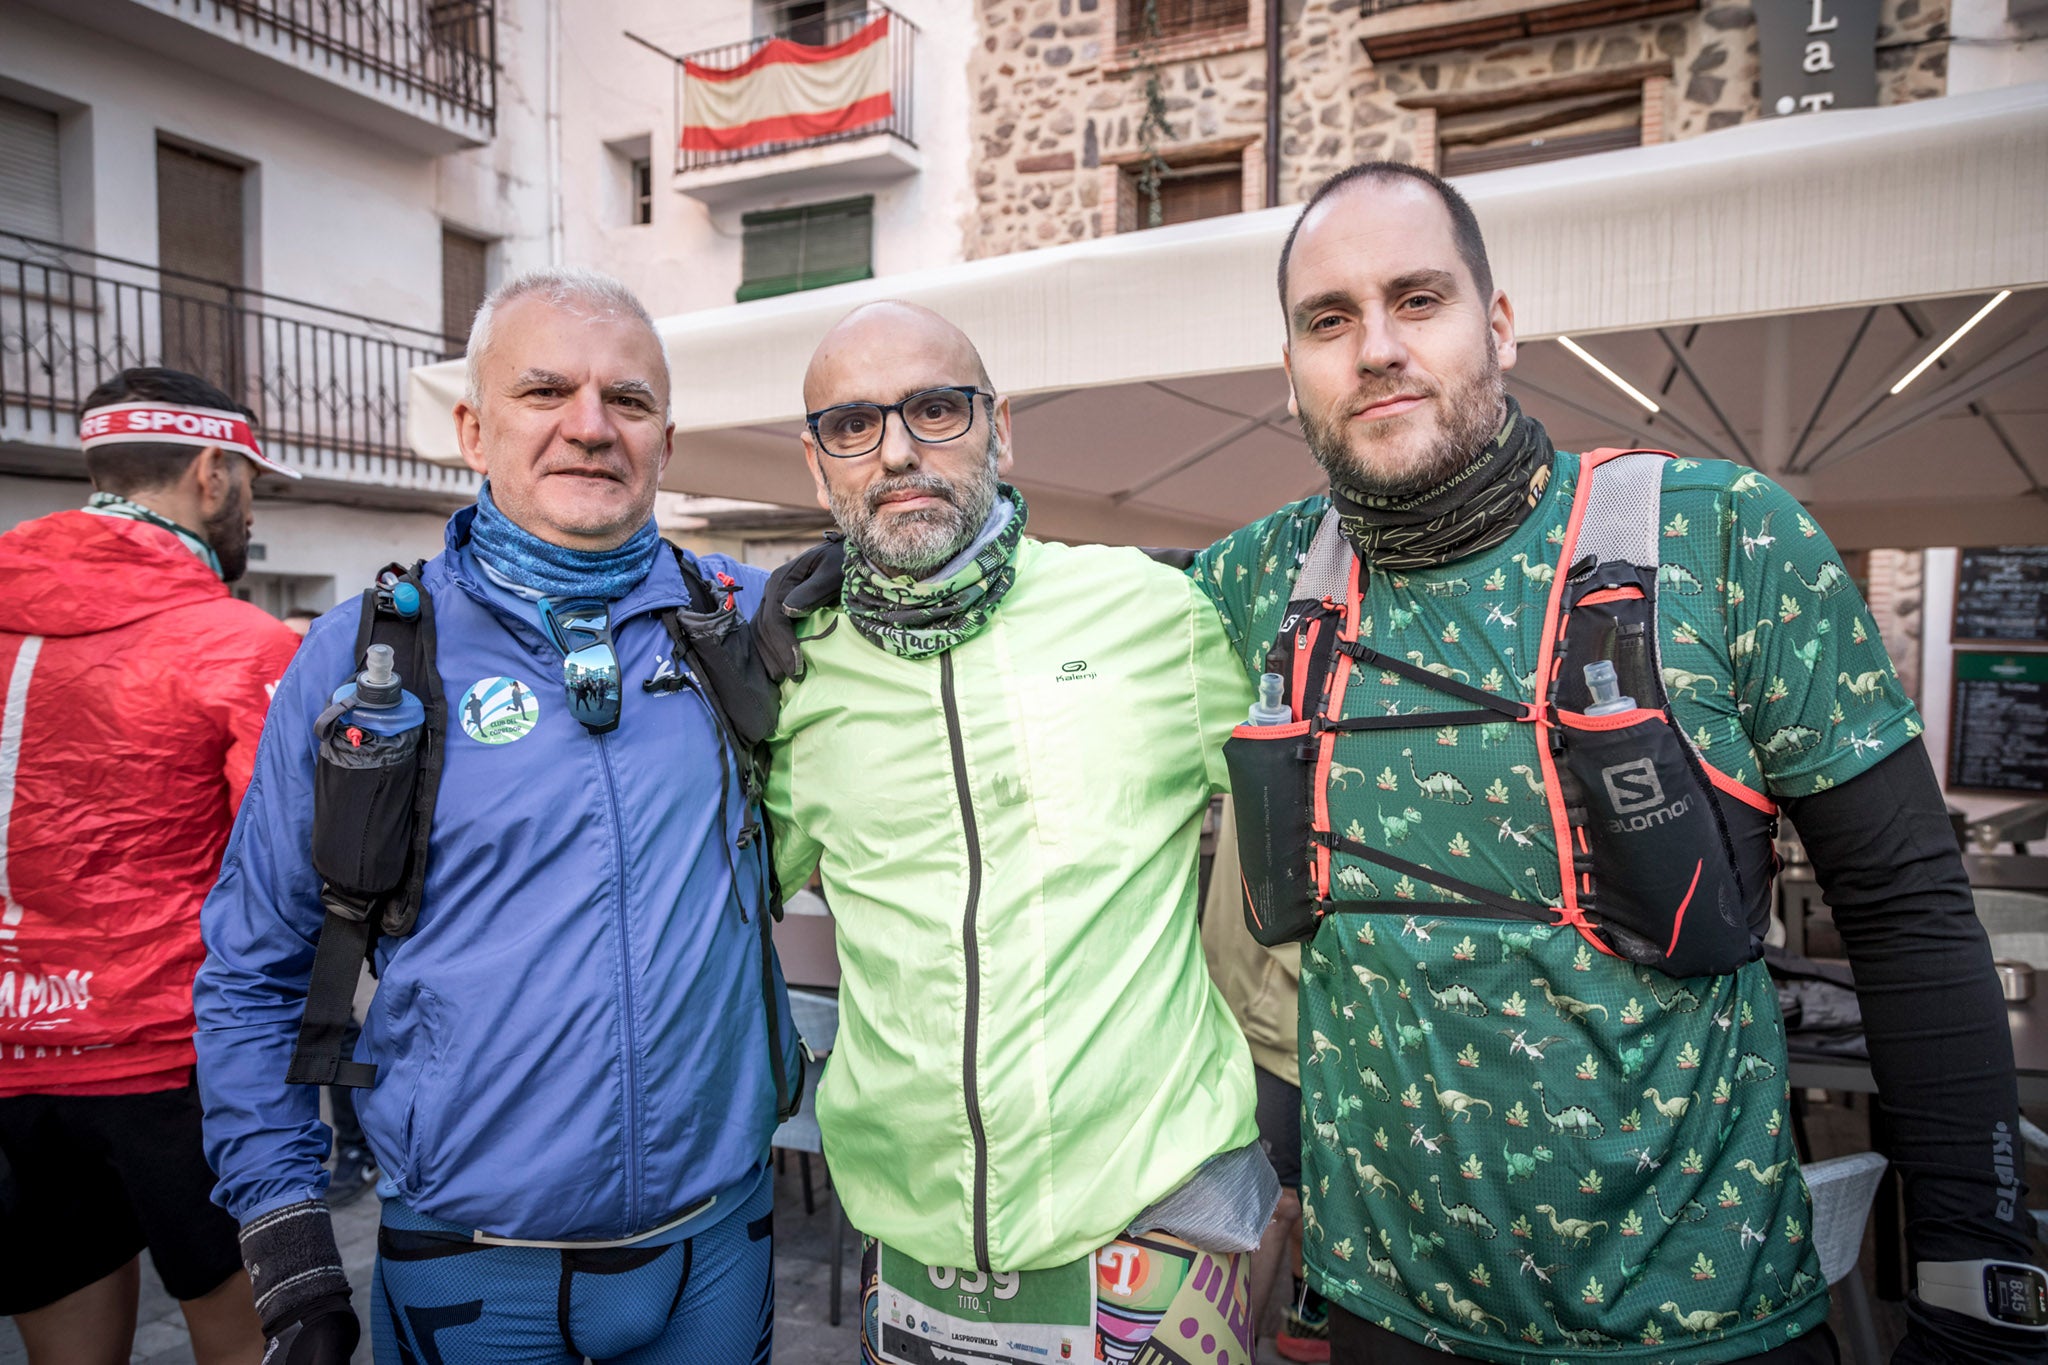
917 620
114 505
520 559
1475 509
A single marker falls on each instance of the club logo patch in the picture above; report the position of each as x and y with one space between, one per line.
498 710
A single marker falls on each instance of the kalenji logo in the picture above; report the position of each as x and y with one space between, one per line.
1633 786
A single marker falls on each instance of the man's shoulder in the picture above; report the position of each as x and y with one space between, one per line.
1109 563
1237 566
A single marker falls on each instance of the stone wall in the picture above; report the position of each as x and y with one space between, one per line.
1058 105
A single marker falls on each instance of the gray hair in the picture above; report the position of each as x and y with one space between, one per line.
582 291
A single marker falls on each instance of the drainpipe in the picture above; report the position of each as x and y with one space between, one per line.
554 131
1273 102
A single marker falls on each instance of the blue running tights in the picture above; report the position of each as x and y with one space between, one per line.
439 1299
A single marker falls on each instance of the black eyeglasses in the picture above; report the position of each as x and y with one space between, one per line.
935 416
582 630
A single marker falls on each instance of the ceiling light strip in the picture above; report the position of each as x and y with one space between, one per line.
1953 338
1608 375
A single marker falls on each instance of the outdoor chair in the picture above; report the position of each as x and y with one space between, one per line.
817 1023
1842 1188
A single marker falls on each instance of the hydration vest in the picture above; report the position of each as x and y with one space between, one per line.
371 839
1662 859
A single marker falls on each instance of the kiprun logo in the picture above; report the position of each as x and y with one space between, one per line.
1074 671
1633 786
2008 1171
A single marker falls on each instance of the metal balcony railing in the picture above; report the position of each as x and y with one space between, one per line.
812 33
1170 20
444 52
328 387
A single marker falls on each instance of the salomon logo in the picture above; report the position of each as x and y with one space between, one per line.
1633 786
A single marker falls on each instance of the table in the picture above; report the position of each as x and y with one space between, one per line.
1799 897
2007 871
2028 1020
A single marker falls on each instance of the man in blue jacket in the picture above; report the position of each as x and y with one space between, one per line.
575 1081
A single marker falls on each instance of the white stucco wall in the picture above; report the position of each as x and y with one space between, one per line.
614 91
1989 48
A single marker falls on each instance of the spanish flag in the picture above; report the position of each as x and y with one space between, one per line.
789 92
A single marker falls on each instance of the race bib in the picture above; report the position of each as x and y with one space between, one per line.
1141 1300
936 1315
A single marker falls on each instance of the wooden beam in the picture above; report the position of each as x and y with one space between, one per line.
1191 154
1427 34
1557 87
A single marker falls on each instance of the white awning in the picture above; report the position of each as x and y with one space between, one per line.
1145 365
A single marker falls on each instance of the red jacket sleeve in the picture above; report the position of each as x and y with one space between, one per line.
247 658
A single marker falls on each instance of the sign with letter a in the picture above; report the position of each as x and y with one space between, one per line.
1817 54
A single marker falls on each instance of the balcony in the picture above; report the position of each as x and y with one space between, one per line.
422 73
1395 29
844 159
328 387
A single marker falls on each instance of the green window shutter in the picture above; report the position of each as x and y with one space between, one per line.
784 250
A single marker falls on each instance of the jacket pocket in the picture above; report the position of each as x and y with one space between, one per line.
394 1112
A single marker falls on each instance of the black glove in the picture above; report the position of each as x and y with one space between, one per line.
302 1292
810 581
326 1333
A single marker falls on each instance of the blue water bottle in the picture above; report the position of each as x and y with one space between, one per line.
364 782
379 705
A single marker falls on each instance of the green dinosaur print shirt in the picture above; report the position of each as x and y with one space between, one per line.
1516 1146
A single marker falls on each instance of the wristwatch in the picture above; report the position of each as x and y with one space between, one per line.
2008 1293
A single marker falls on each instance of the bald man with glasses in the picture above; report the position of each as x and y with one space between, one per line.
997 754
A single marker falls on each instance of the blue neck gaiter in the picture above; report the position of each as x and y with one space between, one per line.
523 560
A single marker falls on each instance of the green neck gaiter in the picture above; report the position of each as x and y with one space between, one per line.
917 620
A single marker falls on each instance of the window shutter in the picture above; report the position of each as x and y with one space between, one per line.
28 171
465 261
199 233
1539 130
1208 193
199 215
806 248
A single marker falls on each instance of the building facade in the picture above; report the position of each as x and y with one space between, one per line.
303 209
1242 104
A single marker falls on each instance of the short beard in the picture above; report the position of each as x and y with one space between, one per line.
915 543
1471 418
227 531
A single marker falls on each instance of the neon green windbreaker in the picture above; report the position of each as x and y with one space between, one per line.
1030 1050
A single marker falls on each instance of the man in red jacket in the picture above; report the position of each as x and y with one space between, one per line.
132 692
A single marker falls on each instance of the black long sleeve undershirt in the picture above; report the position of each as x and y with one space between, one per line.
1940 1049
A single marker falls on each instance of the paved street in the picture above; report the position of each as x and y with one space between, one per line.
803 1260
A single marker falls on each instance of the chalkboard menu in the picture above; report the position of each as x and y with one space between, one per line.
1998 740
2002 594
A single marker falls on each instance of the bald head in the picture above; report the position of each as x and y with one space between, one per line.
881 352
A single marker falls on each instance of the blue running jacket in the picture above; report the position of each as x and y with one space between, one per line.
572 1044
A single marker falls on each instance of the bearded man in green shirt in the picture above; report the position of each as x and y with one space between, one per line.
1522 1139
997 754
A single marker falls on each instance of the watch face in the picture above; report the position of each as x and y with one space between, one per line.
2016 1294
